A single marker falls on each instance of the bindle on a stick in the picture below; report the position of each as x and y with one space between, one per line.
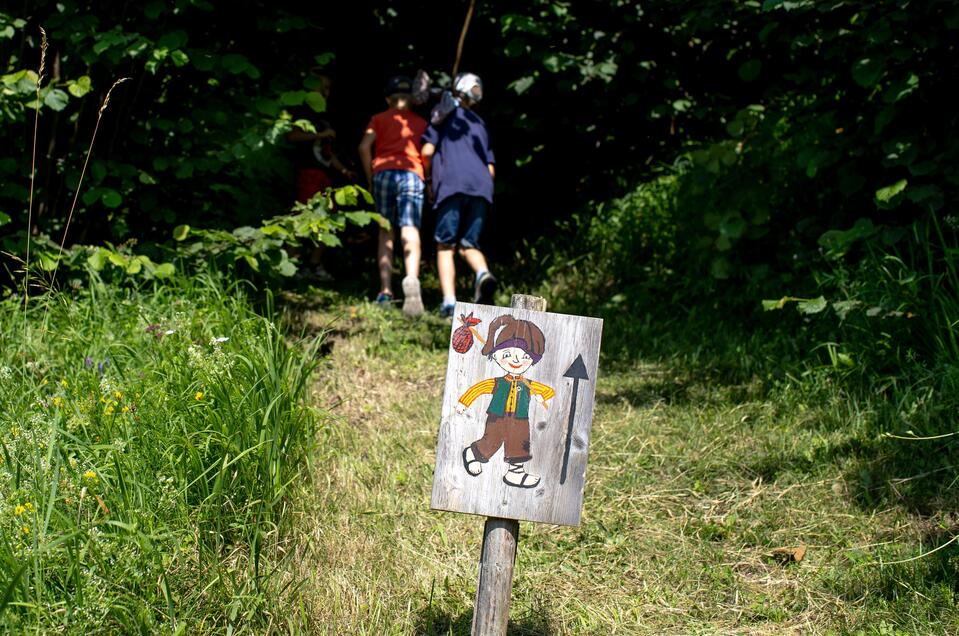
514 432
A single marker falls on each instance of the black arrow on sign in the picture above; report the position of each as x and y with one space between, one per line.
577 371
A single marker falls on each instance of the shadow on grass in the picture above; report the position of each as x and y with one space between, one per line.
438 623
918 476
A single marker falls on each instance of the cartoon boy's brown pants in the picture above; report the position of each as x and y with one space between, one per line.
507 431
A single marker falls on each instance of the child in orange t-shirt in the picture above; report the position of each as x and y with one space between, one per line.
394 174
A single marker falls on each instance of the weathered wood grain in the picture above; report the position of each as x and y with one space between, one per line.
491 610
486 494
498 555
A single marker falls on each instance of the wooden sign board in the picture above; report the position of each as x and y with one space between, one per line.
517 410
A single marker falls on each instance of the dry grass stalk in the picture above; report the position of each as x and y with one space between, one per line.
83 171
33 172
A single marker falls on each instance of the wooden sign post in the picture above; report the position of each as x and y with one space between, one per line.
514 431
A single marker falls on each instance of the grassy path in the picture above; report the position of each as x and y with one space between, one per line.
691 487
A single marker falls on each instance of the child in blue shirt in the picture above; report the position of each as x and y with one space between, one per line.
460 168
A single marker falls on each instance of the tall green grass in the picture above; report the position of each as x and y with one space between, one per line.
152 442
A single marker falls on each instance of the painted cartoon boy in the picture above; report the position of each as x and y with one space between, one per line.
518 345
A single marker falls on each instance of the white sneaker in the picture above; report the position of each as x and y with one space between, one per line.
517 476
412 302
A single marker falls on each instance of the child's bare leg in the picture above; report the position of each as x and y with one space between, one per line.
410 236
474 258
447 270
384 259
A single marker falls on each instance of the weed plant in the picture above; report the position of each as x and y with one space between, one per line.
152 442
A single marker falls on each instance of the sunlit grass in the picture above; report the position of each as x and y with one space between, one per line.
152 441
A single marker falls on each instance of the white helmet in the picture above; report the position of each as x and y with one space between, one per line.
469 85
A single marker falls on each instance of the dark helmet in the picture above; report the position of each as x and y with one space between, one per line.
398 84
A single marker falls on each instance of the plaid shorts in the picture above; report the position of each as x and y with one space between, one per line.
399 196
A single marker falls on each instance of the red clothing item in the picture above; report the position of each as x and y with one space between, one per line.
309 181
398 141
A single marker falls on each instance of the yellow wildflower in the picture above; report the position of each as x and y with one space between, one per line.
19 510
108 410
125 409
29 506
64 383
198 396
90 476
43 382
25 529
57 401
118 395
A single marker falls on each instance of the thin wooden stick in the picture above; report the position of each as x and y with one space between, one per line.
459 45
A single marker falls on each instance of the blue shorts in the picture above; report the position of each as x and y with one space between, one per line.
459 219
399 197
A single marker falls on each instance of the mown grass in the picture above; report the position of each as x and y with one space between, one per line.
152 445
696 477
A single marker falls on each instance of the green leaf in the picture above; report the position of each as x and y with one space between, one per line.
56 99
184 170
173 39
843 307
153 10
837 242
732 226
48 262
179 58
749 71
735 128
329 239
180 232
286 267
867 71
359 218
4 218
522 85
80 87
929 196
305 125
346 196
293 98
111 198
885 195
720 269
97 259
773 305
235 63
813 306
316 101
164 270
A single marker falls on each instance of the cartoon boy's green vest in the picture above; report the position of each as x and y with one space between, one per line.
501 391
